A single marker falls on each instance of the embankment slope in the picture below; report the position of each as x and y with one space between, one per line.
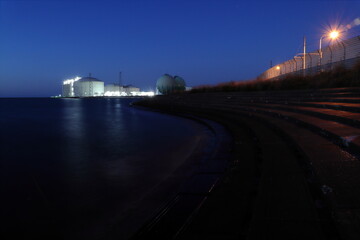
296 168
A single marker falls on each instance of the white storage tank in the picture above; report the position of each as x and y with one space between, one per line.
68 87
67 90
89 87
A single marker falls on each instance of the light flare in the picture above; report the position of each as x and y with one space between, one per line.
334 35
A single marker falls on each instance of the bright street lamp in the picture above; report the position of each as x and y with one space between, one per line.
278 69
333 35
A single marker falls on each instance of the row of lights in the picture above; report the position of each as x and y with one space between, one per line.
332 35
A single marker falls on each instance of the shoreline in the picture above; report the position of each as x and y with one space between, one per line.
208 164
192 161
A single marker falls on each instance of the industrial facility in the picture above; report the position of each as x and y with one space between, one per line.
167 84
93 87
89 87
82 87
112 90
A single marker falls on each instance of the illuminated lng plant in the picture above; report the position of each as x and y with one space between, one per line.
92 87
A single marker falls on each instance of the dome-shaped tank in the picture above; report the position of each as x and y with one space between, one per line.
166 84
180 83
89 79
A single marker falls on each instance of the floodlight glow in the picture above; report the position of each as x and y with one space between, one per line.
334 34
112 94
278 67
125 94
71 80
143 94
71 83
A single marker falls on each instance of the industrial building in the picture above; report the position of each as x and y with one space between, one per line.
118 90
93 87
113 88
131 90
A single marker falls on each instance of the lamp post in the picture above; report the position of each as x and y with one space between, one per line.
332 35
279 69
342 43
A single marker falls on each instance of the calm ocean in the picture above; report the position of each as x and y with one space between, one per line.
74 168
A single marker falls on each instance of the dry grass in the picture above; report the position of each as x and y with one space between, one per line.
338 77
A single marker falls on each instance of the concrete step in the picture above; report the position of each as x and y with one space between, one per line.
344 136
337 171
344 117
277 204
342 106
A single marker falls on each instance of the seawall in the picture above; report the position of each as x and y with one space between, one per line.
295 174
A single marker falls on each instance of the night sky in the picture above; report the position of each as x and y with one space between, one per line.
205 42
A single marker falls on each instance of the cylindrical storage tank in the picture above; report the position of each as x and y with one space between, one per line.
89 87
180 83
166 84
66 90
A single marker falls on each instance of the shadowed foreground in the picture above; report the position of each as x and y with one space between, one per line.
296 170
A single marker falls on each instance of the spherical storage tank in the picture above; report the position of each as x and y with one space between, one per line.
167 84
89 87
180 83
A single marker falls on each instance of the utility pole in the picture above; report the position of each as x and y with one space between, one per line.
304 63
120 82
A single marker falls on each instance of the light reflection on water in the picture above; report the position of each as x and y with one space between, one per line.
72 116
89 158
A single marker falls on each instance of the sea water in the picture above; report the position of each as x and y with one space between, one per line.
72 168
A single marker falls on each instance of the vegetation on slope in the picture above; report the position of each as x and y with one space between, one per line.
336 78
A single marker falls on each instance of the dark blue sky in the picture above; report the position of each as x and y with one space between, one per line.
205 42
